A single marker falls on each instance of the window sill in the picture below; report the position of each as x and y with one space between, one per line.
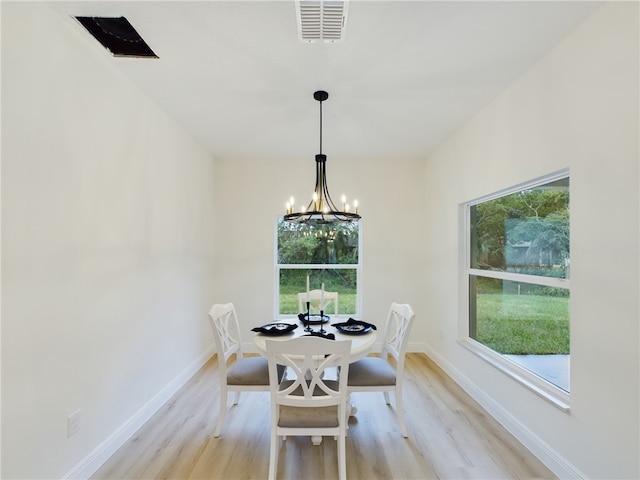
549 392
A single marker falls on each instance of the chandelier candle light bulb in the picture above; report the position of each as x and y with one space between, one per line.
289 206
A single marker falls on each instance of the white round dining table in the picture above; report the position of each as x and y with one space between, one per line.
361 344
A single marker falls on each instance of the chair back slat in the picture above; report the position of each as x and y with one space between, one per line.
308 361
226 331
399 322
314 297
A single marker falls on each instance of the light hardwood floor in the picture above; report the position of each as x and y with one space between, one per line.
450 437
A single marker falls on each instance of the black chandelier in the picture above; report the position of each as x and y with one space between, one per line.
321 209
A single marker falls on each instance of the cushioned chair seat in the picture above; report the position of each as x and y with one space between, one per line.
249 371
308 417
297 417
371 371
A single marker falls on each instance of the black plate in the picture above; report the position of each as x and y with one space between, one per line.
352 328
275 329
315 319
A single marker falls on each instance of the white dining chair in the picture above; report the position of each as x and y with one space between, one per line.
311 398
378 374
246 373
315 296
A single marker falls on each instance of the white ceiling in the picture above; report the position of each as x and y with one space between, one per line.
407 75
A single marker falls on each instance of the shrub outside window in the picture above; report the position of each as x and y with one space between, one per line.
326 254
518 276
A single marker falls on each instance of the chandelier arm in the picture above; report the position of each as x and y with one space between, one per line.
319 183
331 206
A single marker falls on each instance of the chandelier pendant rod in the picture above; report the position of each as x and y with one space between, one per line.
320 126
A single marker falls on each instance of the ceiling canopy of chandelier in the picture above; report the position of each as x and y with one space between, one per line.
321 209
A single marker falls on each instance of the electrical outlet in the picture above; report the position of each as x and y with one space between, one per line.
73 424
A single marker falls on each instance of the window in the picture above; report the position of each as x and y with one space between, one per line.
327 254
518 278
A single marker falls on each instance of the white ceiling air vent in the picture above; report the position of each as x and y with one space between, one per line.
321 20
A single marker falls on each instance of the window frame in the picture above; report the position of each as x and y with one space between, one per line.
314 266
545 389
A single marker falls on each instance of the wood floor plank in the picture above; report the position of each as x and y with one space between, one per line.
450 437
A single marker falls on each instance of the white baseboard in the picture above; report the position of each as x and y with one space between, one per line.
547 455
90 464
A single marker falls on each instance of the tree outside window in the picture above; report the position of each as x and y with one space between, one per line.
519 269
327 254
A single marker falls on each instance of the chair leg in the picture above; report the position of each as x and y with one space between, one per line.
386 397
274 452
400 408
223 409
236 398
342 457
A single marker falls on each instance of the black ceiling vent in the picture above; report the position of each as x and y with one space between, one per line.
118 36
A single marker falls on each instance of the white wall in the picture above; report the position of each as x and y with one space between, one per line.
107 243
577 108
390 193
